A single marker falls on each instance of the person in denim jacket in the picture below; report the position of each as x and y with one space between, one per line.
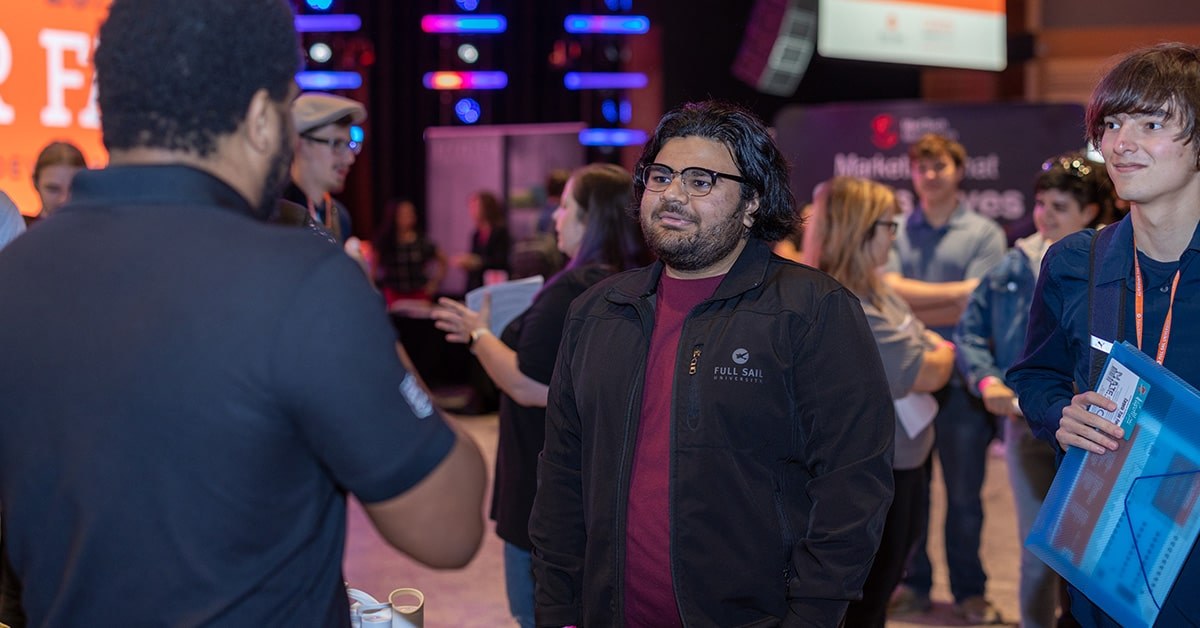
990 337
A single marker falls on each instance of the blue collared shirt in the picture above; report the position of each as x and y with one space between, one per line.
966 247
1056 361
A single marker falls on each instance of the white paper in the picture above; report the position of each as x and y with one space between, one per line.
509 299
915 412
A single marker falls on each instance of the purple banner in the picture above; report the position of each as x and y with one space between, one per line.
1006 145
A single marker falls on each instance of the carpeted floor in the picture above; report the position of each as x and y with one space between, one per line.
474 596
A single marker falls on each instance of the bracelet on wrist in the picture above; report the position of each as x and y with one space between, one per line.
987 381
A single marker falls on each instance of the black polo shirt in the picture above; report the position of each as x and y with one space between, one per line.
187 395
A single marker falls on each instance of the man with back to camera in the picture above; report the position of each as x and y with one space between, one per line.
941 251
324 154
1142 116
736 470
164 457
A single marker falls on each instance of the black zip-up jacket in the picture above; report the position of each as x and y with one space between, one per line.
781 450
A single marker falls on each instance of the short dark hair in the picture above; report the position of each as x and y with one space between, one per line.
610 235
179 74
1073 173
758 159
933 145
58 154
1163 78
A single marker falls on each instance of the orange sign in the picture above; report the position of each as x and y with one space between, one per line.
46 90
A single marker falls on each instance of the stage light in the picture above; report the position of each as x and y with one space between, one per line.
619 5
626 111
319 5
465 80
488 24
604 80
607 24
467 5
612 137
320 52
468 110
344 23
357 134
609 110
468 53
324 81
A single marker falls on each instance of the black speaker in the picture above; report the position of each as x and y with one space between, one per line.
778 44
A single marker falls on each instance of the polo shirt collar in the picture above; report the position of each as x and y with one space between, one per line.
156 185
917 218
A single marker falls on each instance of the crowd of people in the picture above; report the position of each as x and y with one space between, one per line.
200 369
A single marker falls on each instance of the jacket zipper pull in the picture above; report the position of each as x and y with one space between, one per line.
695 361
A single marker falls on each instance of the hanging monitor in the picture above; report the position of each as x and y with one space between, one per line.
949 33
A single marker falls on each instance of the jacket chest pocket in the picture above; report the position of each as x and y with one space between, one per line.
733 397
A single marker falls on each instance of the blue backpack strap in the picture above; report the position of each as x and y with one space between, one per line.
1104 321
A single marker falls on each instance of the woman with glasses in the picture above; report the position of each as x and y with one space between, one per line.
600 238
853 224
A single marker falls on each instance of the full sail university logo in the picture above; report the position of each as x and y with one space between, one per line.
738 371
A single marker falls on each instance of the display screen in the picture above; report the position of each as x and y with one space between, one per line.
948 33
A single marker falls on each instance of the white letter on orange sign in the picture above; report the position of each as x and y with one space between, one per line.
89 118
7 115
58 78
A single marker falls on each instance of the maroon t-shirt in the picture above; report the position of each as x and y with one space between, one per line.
649 594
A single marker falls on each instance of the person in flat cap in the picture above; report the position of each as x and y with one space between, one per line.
324 155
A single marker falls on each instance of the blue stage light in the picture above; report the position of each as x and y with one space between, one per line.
468 110
604 80
324 81
612 137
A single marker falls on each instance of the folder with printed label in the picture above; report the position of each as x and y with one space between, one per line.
1119 526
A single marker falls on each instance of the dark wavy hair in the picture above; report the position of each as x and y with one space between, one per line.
610 236
1086 181
179 74
1163 78
758 159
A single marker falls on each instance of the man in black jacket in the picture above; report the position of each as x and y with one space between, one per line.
736 469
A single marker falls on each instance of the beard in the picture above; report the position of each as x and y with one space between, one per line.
697 250
278 173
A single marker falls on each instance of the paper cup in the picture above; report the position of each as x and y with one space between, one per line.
408 606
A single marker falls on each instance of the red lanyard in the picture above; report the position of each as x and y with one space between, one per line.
327 200
1165 336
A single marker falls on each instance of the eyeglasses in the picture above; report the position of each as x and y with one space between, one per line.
336 144
892 225
696 181
1074 166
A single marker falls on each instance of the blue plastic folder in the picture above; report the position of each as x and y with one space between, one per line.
1119 526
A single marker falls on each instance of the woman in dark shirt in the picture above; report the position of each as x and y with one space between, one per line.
490 242
600 237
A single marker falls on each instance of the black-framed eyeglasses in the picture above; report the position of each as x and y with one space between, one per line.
891 225
697 181
336 144
1073 165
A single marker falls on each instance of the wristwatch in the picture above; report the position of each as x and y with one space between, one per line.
475 334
